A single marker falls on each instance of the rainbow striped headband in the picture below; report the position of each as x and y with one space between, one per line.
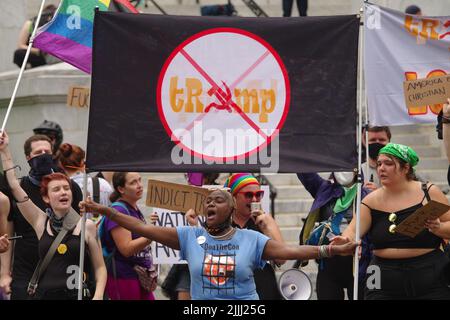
239 180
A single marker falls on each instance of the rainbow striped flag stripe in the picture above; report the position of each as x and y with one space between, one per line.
69 35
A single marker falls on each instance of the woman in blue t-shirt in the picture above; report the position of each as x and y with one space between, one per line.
221 258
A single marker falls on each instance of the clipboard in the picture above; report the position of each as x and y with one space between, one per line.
415 223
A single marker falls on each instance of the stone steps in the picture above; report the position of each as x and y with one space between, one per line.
412 139
290 219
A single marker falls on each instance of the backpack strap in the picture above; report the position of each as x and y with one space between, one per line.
113 262
95 189
120 204
70 222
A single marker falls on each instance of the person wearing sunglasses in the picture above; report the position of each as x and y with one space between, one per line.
247 190
221 258
408 268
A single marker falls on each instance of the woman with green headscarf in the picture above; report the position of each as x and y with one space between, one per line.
405 267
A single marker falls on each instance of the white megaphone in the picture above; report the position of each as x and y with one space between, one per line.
295 285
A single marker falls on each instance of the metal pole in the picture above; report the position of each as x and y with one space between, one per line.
358 195
83 220
158 7
366 116
366 133
24 64
82 242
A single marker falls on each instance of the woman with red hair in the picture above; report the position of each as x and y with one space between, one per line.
54 283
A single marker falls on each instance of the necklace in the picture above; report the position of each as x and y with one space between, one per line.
225 236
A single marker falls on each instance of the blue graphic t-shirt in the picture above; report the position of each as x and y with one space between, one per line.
222 269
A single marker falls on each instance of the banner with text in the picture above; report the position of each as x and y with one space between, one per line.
223 94
400 47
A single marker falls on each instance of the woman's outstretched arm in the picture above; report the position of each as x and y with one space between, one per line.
163 235
278 250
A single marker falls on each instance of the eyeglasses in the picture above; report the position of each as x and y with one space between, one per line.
392 218
250 194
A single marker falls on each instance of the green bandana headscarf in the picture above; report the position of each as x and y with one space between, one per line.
400 151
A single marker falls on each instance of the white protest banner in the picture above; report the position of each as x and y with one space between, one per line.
169 219
173 219
401 47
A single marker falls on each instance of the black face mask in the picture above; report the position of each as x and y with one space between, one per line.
41 165
374 149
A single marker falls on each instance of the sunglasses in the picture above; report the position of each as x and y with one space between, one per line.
250 194
392 218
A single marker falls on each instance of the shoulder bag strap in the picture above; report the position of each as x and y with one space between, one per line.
70 221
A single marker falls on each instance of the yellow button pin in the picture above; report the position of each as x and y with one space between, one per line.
62 248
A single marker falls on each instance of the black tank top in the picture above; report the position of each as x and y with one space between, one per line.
60 275
381 238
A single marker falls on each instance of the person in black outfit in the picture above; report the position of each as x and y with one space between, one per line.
52 130
38 152
36 57
408 267
56 192
302 6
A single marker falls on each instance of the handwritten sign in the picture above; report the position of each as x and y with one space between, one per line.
168 219
176 197
424 92
415 223
78 97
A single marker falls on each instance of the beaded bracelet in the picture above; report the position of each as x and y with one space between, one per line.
329 250
323 252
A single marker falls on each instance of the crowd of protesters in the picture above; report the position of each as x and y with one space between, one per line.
234 250
34 211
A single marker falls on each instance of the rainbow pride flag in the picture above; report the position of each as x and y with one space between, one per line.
69 35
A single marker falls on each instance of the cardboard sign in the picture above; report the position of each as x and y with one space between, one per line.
424 92
176 197
415 223
78 97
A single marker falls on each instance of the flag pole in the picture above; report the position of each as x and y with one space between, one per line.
366 119
82 242
24 64
83 221
359 135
